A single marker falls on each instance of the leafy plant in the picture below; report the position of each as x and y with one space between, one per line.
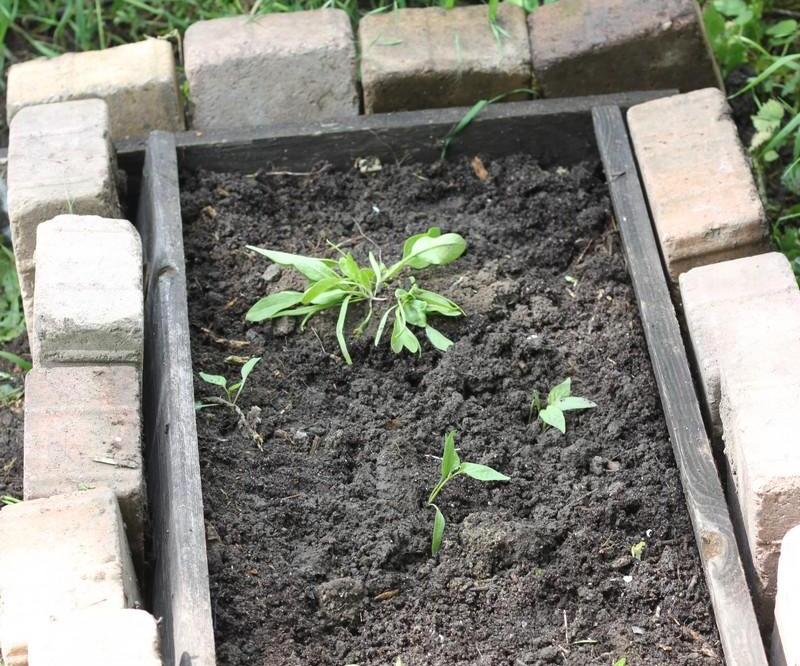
12 321
452 467
559 400
232 391
11 386
340 284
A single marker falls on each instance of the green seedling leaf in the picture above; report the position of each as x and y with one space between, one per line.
572 403
432 232
450 460
382 325
274 305
216 380
781 29
436 250
312 268
247 368
340 330
320 287
553 416
438 531
482 472
637 550
622 661
560 391
437 339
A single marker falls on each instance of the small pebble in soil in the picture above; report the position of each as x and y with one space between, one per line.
283 326
340 600
272 273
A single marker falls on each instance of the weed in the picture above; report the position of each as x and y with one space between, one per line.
743 35
232 391
8 500
637 550
452 467
12 320
559 400
343 283
622 661
11 386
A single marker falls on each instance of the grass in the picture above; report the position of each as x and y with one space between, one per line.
756 37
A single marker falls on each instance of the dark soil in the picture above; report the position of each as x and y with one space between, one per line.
11 417
319 544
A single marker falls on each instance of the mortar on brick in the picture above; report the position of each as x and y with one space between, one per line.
60 161
248 71
429 57
59 555
138 82
699 186
83 430
590 47
97 638
89 304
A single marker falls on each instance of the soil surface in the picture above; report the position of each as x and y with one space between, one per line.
319 544
11 419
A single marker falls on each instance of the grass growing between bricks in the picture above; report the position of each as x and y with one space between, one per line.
761 41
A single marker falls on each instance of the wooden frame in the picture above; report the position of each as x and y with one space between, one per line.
555 131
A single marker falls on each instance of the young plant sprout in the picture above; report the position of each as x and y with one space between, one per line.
343 283
559 400
8 500
231 397
451 468
233 391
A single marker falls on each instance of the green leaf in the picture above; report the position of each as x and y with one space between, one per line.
382 325
402 337
377 269
450 459
247 368
437 339
781 29
416 313
560 391
18 361
439 304
432 232
435 250
320 287
622 661
553 416
349 267
271 306
438 531
314 269
573 402
330 298
482 472
340 331
216 380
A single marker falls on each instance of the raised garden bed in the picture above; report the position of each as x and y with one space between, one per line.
538 568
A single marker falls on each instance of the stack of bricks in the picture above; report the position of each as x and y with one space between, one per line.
742 309
73 550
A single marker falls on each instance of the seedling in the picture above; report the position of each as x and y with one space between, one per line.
233 391
559 400
451 468
7 500
343 283
621 661
637 550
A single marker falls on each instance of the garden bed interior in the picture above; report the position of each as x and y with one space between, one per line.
319 541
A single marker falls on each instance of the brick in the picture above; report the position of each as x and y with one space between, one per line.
591 47
88 301
59 555
126 637
60 160
424 58
702 195
252 71
785 637
137 81
83 430
720 300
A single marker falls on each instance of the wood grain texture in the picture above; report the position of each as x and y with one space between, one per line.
556 130
180 594
730 596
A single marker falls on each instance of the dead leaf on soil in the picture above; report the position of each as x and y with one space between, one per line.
385 596
479 169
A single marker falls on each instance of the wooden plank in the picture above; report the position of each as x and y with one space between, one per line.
555 130
180 593
730 596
